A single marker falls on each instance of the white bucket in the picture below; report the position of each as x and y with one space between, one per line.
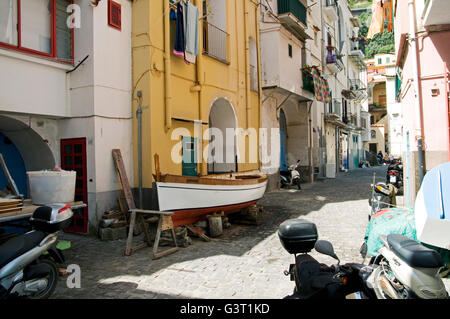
49 187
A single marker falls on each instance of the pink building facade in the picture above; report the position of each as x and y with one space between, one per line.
429 40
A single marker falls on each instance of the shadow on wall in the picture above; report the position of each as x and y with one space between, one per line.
25 151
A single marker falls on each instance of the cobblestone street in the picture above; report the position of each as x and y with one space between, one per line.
245 262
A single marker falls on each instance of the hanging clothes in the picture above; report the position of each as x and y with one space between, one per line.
376 25
321 88
388 14
191 32
179 33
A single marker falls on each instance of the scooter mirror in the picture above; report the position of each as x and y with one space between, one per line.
326 248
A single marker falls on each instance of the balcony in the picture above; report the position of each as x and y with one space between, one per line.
334 63
330 10
358 89
215 42
357 53
308 82
334 113
292 15
436 15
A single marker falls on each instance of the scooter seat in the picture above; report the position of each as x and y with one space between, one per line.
19 245
413 253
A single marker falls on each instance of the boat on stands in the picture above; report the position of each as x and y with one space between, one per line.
193 198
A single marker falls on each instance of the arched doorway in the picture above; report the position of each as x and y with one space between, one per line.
25 150
222 119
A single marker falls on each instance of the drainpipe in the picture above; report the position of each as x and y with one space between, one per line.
447 109
167 67
247 63
258 54
139 119
200 83
418 96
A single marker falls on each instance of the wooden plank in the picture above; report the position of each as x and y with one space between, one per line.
2 208
10 210
118 161
156 212
7 201
11 182
198 232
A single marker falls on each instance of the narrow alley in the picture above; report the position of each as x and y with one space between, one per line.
245 262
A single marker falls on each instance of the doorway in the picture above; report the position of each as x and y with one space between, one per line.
73 158
283 142
222 120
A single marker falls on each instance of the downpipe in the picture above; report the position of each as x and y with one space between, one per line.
139 120
418 95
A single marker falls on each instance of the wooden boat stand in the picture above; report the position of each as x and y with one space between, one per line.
164 219
164 224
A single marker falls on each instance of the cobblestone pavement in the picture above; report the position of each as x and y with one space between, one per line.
245 262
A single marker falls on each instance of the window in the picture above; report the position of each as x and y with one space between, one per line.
380 61
290 50
114 15
37 27
388 60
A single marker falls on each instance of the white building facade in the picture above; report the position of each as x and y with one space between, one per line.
65 94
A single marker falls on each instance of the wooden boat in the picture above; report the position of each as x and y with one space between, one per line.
193 198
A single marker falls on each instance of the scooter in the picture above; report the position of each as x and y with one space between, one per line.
383 196
394 174
404 269
25 270
314 280
291 177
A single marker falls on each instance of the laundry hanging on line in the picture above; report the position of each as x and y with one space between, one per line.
186 35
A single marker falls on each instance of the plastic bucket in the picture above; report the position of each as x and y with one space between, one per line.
49 187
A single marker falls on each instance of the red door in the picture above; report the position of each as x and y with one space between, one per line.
73 158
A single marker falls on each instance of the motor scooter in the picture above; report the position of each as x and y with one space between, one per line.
394 174
405 269
383 196
25 270
291 177
314 280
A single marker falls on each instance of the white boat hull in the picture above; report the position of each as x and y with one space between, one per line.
180 197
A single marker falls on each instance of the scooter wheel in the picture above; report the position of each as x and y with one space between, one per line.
52 280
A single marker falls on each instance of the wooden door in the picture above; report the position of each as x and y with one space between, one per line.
73 158
189 166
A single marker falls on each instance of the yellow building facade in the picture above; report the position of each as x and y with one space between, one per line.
180 101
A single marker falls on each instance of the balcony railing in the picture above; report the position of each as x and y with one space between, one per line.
215 42
436 14
308 82
334 62
293 6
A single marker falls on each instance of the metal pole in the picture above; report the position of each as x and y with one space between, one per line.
139 119
418 98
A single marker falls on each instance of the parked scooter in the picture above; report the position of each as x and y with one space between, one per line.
291 177
394 174
314 280
25 271
383 196
404 269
